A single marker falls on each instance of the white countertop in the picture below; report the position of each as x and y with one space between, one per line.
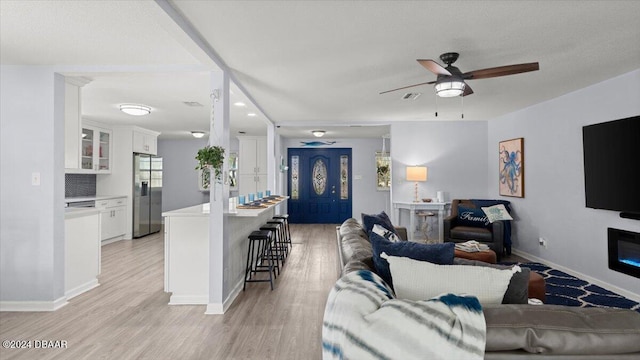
203 210
90 198
72 213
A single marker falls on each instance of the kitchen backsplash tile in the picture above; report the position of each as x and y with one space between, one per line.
79 185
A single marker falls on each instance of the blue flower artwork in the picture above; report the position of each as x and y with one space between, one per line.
317 143
511 168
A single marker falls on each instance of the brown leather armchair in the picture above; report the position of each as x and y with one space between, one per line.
455 231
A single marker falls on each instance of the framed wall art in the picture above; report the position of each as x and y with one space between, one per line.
511 167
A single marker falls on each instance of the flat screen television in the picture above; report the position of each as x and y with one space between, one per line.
612 166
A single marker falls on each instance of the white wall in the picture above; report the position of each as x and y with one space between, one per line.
554 203
31 217
365 198
453 151
179 177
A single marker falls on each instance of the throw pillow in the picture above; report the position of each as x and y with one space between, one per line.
485 283
518 289
381 219
496 212
385 233
436 253
472 217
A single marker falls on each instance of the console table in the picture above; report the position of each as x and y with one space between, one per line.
413 207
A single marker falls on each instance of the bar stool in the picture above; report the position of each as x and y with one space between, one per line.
259 244
282 242
275 243
285 217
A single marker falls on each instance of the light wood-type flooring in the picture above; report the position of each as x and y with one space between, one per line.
127 316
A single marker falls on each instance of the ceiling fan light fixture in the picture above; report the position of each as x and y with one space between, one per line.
318 133
197 134
135 110
450 87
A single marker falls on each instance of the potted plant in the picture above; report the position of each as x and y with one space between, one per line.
211 157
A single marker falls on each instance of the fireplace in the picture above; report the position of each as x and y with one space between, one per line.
624 251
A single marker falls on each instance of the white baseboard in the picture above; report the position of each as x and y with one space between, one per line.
218 309
81 289
188 300
33 305
615 289
112 240
214 309
232 296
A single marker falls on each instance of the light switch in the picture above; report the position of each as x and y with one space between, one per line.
35 179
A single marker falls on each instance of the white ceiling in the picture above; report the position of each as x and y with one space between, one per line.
319 64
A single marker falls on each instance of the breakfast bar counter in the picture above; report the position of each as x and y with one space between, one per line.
186 236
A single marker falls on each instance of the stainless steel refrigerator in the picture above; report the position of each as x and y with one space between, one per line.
147 194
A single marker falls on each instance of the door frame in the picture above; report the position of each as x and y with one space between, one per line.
296 213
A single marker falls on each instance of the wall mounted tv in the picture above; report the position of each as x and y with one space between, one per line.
611 166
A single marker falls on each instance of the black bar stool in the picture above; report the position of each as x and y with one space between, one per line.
282 242
259 245
275 243
285 217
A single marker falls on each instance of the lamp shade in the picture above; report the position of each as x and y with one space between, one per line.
450 87
416 173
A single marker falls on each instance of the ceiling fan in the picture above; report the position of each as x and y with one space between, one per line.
451 81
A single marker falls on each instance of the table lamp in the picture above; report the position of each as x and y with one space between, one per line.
416 173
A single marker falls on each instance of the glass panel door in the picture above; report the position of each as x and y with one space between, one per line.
103 159
87 149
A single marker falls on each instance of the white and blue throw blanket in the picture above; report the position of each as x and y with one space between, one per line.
363 320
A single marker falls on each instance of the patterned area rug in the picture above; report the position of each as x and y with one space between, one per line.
565 289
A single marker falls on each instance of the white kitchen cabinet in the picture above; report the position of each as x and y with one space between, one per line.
145 141
73 122
72 126
95 149
113 221
252 183
252 164
82 250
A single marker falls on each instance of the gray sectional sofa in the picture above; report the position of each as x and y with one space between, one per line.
518 331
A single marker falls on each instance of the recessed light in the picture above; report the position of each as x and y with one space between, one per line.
134 109
318 133
251 114
239 103
197 134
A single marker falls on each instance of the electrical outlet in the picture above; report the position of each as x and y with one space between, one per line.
543 242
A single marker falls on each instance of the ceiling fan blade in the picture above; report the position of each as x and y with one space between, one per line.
406 87
500 71
467 90
434 67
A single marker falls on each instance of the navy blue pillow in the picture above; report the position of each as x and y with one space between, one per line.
472 217
381 219
441 254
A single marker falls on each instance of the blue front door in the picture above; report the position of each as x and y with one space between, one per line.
319 185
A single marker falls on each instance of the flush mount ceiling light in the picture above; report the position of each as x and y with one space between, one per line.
136 110
239 103
450 86
318 133
197 134
251 114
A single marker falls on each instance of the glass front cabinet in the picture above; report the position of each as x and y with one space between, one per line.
96 150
